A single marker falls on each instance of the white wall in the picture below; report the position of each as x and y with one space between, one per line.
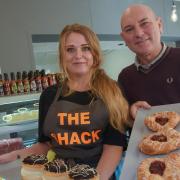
19 19
115 60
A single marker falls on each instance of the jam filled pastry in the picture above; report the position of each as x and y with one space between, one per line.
32 167
159 120
83 172
160 168
162 142
56 169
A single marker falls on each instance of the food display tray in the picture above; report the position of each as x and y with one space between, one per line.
133 156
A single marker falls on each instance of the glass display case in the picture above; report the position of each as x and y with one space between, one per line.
18 117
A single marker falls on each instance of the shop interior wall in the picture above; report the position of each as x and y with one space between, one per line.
20 19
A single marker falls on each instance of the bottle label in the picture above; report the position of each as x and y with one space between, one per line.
32 86
38 84
1 90
44 83
20 87
26 86
7 88
13 88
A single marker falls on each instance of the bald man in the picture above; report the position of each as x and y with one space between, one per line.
154 77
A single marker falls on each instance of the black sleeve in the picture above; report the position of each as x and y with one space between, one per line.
114 137
45 101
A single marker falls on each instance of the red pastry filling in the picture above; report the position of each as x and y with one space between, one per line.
160 138
157 167
162 120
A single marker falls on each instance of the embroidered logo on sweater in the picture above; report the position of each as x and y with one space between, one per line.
169 80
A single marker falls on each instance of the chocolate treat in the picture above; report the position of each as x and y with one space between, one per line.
32 167
56 166
35 159
56 170
81 172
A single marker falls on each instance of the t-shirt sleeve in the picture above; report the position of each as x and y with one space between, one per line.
114 137
45 101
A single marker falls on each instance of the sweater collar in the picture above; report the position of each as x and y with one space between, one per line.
147 66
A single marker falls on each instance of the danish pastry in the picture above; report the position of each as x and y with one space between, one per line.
160 168
159 120
162 142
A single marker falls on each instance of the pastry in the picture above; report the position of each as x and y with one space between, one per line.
55 170
174 161
32 167
160 168
82 172
159 120
162 142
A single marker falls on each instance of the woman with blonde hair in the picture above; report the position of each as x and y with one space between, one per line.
84 117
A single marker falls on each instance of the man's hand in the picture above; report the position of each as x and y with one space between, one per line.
136 106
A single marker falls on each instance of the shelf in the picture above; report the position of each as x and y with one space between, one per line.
19 98
18 128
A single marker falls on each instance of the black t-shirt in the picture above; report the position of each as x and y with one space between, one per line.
111 135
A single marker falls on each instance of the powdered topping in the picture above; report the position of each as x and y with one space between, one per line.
82 171
56 166
35 159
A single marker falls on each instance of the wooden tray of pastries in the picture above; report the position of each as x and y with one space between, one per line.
155 135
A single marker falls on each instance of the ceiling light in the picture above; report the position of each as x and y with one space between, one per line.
174 16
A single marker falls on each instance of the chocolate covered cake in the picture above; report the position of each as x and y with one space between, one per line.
82 172
56 169
32 167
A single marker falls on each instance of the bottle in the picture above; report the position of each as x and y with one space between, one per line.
44 79
32 82
50 79
6 85
20 87
25 82
1 86
13 85
38 81
54 79
59 78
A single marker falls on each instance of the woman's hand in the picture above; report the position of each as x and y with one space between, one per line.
109 160
136 106
38 148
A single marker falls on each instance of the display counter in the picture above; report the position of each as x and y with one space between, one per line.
19 117
11 171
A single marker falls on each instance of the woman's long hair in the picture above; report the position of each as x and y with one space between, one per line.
100 84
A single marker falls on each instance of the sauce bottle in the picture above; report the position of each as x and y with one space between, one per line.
13 85
38 81
20 87
32 82
25 82
44 79
6 85
54 79
1 86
